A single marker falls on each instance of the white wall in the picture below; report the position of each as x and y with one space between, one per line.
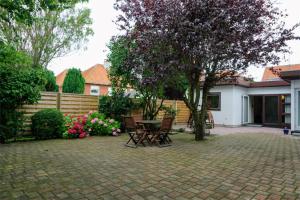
231 105
231 102
294 86
269 90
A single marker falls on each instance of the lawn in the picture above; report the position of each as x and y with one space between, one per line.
240 166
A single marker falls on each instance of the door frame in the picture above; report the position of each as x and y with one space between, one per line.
243 111
280 108
297 113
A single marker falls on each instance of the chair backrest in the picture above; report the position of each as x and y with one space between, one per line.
166 123
129 123
210 117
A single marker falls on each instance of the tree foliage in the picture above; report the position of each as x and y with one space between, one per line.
123 76
20 84
21 10
204 40
74 82
52 33
118 53
51 85
115 106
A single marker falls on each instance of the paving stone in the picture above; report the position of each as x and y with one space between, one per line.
259 166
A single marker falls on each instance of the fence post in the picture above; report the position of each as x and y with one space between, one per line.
176 116
58 99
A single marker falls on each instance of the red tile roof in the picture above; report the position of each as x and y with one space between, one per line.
269 75
269 84
95 75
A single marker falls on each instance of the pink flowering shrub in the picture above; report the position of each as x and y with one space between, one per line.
97 124
93 123
74 126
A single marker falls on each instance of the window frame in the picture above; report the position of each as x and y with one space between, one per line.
93 87
219 94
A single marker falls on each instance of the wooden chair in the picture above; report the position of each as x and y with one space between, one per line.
137 132
162 136
210 120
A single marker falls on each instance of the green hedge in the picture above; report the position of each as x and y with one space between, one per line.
47 124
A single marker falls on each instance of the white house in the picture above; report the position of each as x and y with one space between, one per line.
275 101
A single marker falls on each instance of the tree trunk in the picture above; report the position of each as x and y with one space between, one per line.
200 116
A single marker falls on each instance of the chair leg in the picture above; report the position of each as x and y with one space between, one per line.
131 139
169 139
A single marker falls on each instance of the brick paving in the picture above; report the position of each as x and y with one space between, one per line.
236 166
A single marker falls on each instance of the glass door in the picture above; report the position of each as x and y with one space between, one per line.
245 109
271 110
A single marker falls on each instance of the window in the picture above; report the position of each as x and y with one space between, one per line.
109 91
214 101
95 90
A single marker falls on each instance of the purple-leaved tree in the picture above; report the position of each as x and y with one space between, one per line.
204 40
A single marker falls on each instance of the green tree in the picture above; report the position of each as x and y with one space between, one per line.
206 40
51 85
52 33
20 84
21 10
151 96
118 53
74 82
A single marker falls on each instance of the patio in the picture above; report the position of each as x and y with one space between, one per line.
235 166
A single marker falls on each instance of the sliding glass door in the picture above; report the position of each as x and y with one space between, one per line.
271 110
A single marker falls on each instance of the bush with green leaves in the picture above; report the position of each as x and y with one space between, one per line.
20 84
98 124
74 82
51 85
116 106
169 111
47 124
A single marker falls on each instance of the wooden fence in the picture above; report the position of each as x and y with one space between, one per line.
77 104
67 103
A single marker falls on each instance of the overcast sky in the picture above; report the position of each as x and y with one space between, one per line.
103 15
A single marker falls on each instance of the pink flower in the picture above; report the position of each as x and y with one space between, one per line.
94 120
82 135
115 134
118 130
91 112
100 122
111 121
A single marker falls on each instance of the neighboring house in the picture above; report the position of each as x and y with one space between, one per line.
96 80
274 101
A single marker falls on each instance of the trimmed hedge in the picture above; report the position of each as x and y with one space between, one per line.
47 124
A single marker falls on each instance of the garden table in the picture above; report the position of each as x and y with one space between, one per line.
152 126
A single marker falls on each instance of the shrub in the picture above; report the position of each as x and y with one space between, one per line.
51 85
97 124
115 106
14 122
47 124
74 82
20 84
169 111
74 126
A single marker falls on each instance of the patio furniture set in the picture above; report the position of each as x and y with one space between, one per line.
148 132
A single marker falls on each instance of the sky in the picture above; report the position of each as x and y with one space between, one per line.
103 16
